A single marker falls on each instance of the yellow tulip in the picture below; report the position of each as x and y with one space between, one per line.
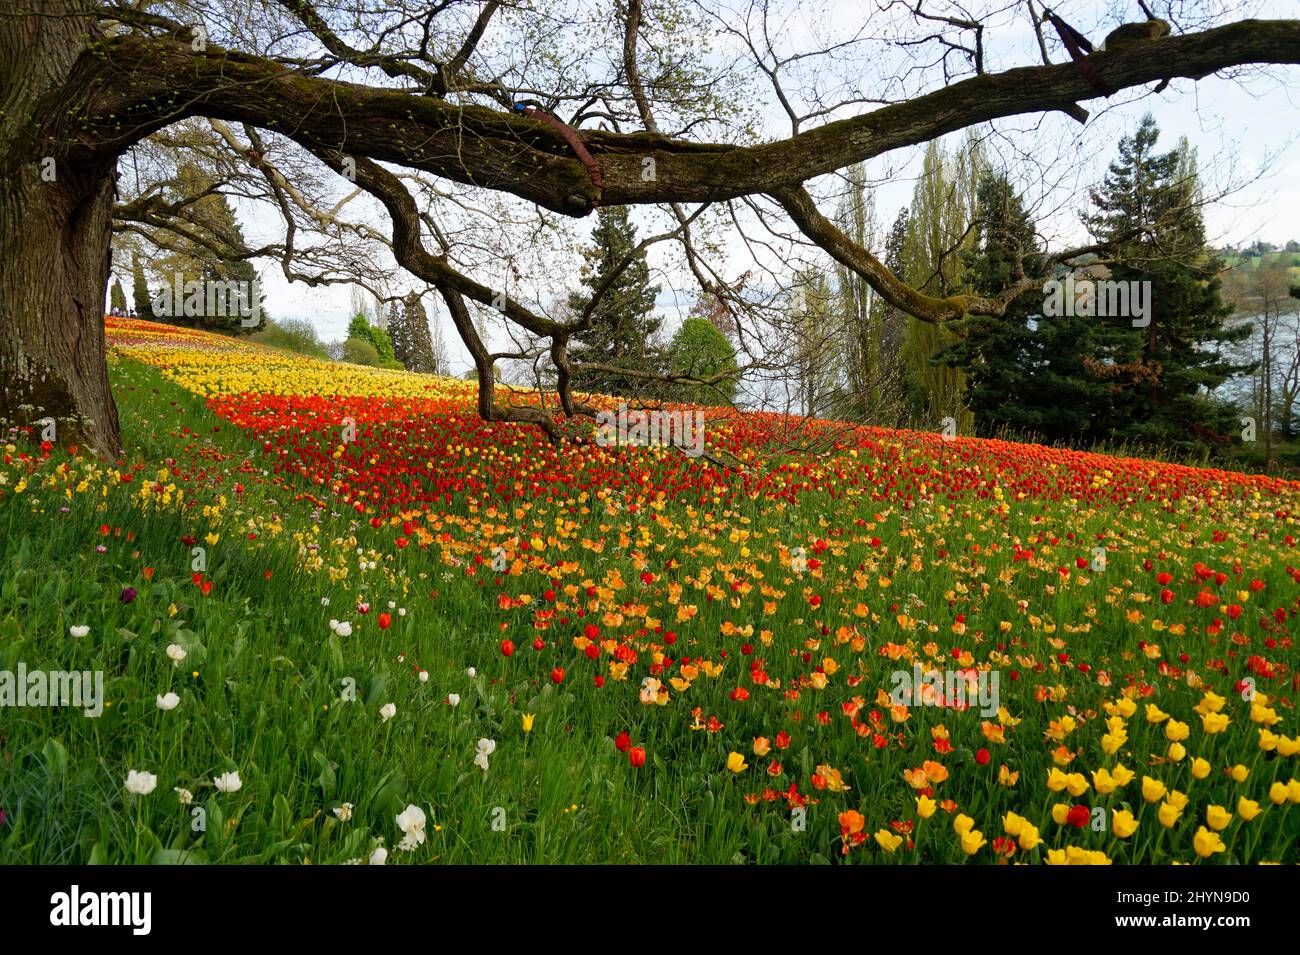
887 840
1123 824
1247 809
1152 789
1217 817
1168 814
1215 722
1200 768
972 841
736 762
1028 837
925 806
1175 731
528 721
1207 843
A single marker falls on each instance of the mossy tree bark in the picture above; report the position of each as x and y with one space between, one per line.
56 203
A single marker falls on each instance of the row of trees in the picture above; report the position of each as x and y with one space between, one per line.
1071 377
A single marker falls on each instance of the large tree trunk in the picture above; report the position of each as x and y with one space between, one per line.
56 200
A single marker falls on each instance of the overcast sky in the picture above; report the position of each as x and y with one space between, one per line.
1245 133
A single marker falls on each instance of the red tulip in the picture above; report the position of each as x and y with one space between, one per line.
557 675
636 756
507 648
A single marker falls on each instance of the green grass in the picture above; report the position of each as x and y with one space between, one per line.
263 683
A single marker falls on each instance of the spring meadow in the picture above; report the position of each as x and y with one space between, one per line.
649 432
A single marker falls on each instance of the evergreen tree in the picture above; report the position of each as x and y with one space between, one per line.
624 326
140 290
1161 375
397 333
419 343
117 297
213 216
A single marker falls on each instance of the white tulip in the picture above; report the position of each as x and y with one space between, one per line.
379 856
176 653
184 795
471 673
79 631
424 676
344 629
228 782
168 701
411 821
344 812
388 711
453 699
141 784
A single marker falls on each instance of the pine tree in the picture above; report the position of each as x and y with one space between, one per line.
212 215
624 326
1161 376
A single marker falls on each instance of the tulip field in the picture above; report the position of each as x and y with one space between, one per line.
341 619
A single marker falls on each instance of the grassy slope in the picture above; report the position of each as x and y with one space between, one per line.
261 685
